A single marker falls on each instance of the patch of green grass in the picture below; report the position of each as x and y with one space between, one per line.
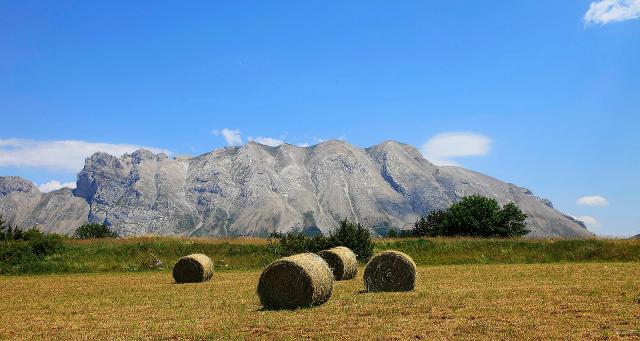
136 254
500 251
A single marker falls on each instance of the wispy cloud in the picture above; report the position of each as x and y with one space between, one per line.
590 221
608 11
267 141
592 200
55 185
231 136
442 148
68 155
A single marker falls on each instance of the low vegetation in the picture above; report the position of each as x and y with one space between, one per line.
94 231
143 253
26 251
445 251
33 252
135 254
355 236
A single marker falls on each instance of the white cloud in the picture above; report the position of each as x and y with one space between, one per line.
342 137
231 136
274 142
442 147
607 11
592 200
267 141
590 221
68 155
54 185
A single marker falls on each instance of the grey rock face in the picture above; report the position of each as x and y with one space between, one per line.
257 189
23 205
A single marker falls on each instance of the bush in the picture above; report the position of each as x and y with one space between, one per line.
7 232
46 244
429 225
474 216
295 242
354 236
27 253
90 231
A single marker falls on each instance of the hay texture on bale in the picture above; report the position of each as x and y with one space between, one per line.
342 261
193 268
301 280
390 271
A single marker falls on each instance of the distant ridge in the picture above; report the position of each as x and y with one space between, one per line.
256 189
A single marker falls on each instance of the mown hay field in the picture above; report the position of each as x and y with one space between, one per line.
524 301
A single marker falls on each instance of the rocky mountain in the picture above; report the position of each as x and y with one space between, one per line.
257 189
23 205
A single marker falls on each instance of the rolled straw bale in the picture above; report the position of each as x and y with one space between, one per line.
296 281
342 261
390 271
193 268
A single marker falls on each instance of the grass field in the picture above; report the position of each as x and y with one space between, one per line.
136 254
524 301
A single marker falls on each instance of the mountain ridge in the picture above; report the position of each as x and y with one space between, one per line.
256 189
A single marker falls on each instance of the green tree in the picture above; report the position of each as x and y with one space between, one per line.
89 231
8 234
354 236
429 226
474 216
511 221
3 226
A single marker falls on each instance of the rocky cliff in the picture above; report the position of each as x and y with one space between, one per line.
257 189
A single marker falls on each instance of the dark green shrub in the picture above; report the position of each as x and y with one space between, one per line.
8 232
474 216
46 245
91 231
28 254
295 242
354 236
32 234
429 226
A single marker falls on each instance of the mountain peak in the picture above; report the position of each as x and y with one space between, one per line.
10 184
257 189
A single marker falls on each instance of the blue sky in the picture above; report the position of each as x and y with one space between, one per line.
545 94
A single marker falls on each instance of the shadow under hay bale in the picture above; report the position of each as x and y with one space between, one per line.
193 268
342 261
301 280
390 271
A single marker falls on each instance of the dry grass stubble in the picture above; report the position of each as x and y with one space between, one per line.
542 301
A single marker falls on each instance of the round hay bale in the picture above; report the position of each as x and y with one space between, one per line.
193 268
390 271
301 280
342 261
